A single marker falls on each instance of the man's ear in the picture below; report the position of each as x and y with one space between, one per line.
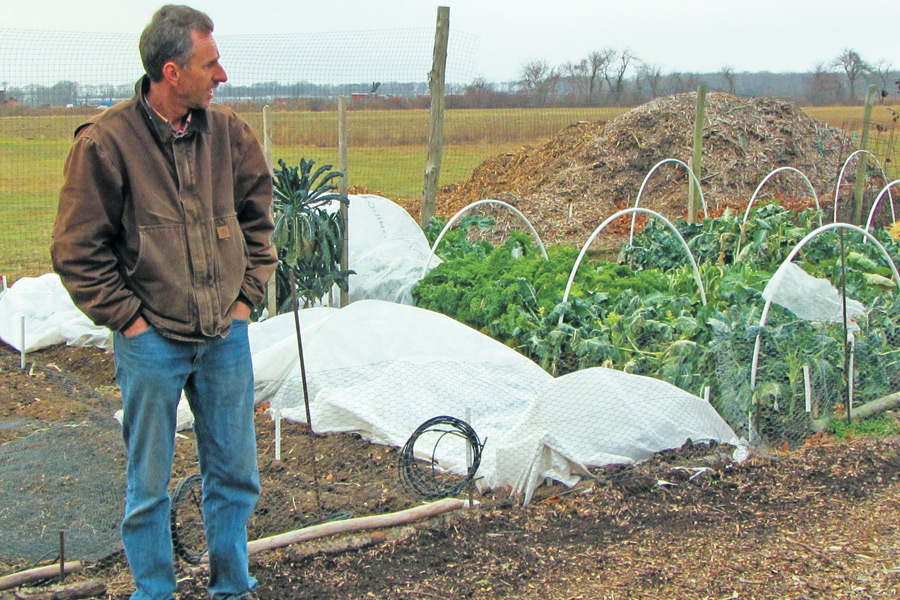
171 72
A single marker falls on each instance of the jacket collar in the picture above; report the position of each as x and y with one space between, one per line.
163 129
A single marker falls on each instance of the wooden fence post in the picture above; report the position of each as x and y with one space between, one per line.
436 116
343 165
697 158
860 186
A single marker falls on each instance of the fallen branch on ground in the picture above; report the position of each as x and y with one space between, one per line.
92 588
22 577
402 517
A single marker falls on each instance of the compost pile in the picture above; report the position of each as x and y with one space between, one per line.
570 184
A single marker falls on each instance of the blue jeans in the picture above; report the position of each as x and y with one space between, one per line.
217 378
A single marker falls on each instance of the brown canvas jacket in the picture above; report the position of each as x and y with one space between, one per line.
172 227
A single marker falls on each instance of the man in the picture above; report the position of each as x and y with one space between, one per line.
163 234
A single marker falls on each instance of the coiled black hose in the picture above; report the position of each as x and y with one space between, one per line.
424 478
186 519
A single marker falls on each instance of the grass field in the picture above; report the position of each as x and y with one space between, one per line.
387 155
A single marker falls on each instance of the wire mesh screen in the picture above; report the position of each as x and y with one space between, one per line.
68 478
50 82
53 81
781 382
792 385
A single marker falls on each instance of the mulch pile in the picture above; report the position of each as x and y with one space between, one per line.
567 186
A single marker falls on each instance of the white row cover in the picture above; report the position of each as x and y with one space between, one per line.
382 368
387 250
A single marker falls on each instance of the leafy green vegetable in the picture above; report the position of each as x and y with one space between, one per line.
308 238
644 314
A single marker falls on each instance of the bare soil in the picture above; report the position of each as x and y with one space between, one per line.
820 521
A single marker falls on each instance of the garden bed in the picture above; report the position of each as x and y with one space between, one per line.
820 521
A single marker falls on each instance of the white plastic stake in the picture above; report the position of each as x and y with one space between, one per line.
22 352
707 393
468 418
4 283
807 388
852 370
276 415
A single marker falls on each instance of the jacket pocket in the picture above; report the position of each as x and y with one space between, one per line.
161 277
232 258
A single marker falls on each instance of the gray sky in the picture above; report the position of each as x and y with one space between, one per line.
689 35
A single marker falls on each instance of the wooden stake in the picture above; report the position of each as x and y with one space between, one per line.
697 158
62 556
436 116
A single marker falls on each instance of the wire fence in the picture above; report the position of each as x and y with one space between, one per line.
50 82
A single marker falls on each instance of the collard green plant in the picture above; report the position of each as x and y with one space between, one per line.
308 237
646 317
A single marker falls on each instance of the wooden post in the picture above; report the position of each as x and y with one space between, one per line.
343 165
860 186
436 116
697 158
268 151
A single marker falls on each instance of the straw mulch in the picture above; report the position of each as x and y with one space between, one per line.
567 186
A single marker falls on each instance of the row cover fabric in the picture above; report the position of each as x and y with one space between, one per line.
811 298
387 250
381 368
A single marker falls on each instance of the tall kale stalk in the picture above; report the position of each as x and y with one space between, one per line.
308 237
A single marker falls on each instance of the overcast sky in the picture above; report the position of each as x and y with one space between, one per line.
688 35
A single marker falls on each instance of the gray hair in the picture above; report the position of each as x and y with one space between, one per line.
168 38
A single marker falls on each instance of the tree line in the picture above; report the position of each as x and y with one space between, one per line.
607 77
615 76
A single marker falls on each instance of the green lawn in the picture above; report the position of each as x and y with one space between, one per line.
387 155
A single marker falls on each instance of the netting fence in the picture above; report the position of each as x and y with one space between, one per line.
802 374
53 81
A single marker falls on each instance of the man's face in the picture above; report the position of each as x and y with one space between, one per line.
202 74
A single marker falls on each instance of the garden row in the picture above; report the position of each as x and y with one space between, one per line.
645 313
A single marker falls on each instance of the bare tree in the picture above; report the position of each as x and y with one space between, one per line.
479 85
685 82
615 73
728 75
881 74
479 93
825 86
539 80
575 75
598 61
586 76
854 67
651 74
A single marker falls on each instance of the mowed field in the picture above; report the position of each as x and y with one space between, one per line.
387 155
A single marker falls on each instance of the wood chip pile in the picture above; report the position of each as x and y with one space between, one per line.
570 184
